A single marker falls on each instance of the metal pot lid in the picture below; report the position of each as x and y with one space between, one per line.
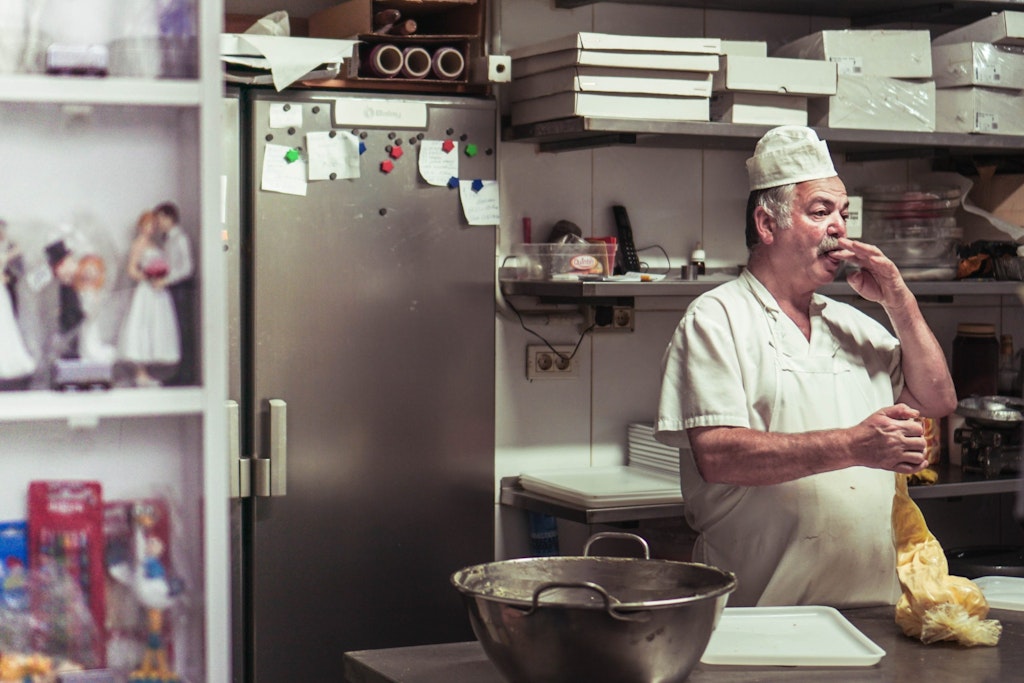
997 411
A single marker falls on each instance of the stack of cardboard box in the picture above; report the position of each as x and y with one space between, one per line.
979 72
614 76
751 87
884 78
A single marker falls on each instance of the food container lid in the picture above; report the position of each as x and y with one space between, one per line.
976 329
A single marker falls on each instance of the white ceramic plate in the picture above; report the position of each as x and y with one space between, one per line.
789 636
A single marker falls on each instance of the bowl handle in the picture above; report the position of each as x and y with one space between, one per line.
617 534
621 616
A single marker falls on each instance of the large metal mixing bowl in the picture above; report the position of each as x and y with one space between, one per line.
594 619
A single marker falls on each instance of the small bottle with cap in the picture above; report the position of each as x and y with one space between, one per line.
697 261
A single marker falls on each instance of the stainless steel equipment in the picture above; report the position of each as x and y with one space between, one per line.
990 439
594 619
364 368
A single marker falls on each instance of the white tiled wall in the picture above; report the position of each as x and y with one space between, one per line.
675 197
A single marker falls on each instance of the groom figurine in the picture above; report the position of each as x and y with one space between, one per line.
179 282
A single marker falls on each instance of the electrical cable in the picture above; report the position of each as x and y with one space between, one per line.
558 353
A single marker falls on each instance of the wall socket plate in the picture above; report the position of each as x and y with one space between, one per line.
543 363
604 318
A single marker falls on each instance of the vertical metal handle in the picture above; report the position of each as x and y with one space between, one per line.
239 473
272 471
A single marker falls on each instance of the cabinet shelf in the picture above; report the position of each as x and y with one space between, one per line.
91 90
596 291
860 12
586 132
86 406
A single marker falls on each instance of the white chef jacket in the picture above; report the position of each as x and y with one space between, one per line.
736 359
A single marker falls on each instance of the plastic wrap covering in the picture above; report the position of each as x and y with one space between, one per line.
978 64
894 54
979 110
934 606
877 103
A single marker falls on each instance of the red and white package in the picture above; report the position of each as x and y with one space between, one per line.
67 592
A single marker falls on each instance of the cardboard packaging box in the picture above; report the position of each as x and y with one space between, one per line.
1000 194
876 103
977 64
527 66
979 110
893 54
1004 28
599 79
612 42
599 105
745 48
777 75
759 108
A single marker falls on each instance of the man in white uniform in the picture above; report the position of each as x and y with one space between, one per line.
799 408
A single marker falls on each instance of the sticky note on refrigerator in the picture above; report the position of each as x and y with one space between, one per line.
438 164
332 157
480 201
278 175
285 115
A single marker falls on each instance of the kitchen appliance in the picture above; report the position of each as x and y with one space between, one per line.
990 439
594 619
362 339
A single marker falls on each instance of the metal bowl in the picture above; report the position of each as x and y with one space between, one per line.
594 619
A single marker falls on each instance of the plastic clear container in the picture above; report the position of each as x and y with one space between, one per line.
562 261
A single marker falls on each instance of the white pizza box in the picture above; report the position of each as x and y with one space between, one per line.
977 64
760 108
1004 28
778 75
605 486
890 53
876 103
745 48
526 66
979 110
610 79
613 42
601 105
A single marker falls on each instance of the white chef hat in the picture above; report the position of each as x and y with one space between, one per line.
789 154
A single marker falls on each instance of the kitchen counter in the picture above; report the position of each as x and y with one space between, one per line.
906 659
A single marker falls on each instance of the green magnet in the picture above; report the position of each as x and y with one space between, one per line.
291 155
471 150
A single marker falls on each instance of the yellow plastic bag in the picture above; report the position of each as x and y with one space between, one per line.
934 606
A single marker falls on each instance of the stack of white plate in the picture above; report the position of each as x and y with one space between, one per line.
596 487
648 454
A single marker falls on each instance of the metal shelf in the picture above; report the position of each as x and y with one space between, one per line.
561 290
860 12
953 483
583 132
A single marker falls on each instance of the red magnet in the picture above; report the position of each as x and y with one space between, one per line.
447 146
387 166
396 152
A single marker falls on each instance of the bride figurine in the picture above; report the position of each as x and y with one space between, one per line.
15 361
149 333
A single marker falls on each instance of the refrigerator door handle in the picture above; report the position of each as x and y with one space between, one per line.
239 477
271 472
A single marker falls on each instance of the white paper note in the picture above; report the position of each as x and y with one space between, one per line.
437 165
292 58
480 201
285 115
338 155
281 176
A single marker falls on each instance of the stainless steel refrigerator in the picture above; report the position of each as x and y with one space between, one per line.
363 369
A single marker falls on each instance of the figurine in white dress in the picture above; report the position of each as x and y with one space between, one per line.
149 333
15 360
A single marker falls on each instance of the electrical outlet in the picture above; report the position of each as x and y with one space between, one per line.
609 318
543 363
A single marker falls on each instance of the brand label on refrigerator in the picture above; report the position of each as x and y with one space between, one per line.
380 113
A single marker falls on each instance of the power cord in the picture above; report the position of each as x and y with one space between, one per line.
558 353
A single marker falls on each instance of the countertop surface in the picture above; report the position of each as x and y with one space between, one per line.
906 659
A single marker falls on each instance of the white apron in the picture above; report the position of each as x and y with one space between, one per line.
824 539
